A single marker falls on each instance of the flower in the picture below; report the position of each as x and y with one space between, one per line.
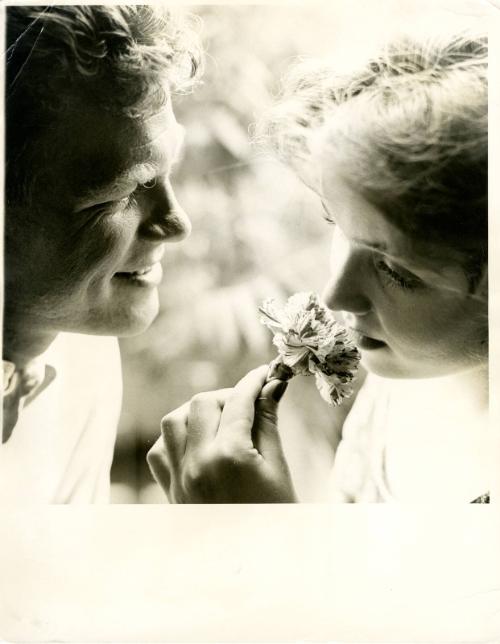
311 342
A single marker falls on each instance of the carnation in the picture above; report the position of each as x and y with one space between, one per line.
311 342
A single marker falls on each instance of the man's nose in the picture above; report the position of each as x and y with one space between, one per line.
347 289
166 220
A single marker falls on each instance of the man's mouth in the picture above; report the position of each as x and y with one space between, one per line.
145 276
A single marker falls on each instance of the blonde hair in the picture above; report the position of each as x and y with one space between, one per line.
410 130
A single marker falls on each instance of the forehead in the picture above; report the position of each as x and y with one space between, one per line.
367 226
359 219
93 148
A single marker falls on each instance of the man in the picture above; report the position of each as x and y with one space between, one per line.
91 139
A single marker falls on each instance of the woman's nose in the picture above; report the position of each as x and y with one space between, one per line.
166 220
340 294
347 289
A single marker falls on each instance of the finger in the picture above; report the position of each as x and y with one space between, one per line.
265 427
204 418
158 464
238 413
174 432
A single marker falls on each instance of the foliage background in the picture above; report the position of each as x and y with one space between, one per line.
257 232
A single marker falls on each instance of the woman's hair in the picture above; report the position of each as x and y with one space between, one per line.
410 131
119 58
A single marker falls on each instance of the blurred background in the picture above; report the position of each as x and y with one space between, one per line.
257 232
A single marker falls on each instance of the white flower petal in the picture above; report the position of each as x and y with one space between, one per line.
310 341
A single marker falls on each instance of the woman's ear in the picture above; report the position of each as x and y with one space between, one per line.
480 293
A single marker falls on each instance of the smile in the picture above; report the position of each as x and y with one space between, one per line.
147 277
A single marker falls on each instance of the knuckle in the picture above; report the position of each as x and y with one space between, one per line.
203 400
166 421
207 398
192 473
159 466
231 454
156 453
152 457
202 397
196 478
168 425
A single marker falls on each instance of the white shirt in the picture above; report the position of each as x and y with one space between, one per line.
61 448
411 441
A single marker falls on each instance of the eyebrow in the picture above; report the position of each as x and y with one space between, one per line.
380 246
123 182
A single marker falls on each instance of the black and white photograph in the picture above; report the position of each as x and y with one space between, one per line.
249 364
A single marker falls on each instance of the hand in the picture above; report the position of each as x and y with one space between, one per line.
223 447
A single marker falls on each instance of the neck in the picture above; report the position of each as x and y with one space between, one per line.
468 390
470 386
23 341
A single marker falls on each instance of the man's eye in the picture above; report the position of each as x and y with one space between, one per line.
110 207
399 277
149 184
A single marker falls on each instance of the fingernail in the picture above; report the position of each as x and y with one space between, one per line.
279 391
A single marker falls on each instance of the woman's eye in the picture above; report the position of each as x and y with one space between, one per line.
327 215
399 278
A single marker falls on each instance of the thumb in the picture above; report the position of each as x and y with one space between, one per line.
265 427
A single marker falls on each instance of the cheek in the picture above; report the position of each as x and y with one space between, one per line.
100 248
439 330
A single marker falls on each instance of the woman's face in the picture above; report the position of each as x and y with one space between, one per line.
410 312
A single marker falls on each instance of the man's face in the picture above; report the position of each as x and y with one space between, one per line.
86 256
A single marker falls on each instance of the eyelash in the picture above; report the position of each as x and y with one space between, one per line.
393 278
110 207
327 216
147 185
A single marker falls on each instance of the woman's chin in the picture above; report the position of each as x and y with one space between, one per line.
391 366
385 365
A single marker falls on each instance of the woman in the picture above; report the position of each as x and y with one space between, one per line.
397 151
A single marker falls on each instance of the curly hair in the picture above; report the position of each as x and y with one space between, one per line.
410 130
120 58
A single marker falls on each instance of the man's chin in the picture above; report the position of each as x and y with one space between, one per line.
134 329
123 322
136 324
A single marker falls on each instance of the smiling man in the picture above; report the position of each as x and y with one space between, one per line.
91 139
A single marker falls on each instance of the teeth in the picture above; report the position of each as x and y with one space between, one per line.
142 272
139 273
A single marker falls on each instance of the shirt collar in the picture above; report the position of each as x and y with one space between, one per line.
30 376
20 387
9 369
